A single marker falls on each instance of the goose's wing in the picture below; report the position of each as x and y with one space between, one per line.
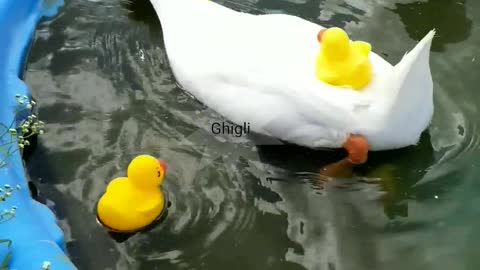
292 116
260 69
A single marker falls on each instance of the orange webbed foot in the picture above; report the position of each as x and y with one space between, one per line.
357 149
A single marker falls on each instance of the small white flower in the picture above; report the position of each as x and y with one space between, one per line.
21 145
18 187
41 132
46 265
7 186
29 106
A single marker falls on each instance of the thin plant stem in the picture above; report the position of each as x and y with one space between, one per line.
3 125
8 154
7 143
3 219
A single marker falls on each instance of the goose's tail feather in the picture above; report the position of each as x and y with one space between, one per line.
411 88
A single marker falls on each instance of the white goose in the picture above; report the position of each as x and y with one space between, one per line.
261 69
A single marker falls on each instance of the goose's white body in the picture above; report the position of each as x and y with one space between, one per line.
261 69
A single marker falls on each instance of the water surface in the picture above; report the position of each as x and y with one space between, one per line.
107 94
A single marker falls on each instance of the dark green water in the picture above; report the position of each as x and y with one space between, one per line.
100 74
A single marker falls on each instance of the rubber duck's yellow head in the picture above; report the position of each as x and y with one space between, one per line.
335 42
146 172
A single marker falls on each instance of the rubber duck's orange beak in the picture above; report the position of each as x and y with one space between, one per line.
163 166
320 34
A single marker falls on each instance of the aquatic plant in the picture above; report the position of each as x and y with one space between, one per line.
6 215
16 135
5 193
46 265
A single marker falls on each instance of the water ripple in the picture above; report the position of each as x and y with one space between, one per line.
107 94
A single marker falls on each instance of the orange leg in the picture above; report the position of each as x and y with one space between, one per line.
357 149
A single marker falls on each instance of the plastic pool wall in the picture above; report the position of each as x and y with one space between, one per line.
35 235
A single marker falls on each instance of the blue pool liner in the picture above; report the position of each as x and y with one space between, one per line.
35 235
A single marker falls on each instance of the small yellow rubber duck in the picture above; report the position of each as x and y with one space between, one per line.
133 202
342 62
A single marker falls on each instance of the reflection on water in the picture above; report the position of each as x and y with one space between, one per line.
101 76
447 17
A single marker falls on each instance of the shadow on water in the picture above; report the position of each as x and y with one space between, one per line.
121 237
143 11
42 169
396 172
448 17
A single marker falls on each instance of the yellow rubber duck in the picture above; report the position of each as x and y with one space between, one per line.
342 62
133 202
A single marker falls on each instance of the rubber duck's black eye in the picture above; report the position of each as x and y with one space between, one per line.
158 173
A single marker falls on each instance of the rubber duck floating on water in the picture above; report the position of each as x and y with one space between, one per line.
341 62
132 203
271 71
